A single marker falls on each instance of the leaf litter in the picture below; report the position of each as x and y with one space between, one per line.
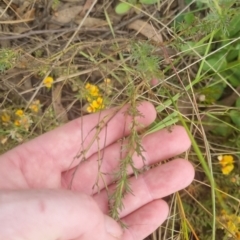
32 25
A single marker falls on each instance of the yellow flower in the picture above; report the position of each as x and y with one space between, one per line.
232 226
25 122
232 223
88 85
91 109
35 106
97 104
226 162
94 91
100 102
93 97
227 169
5 118
94 104
17 123
48 82
19 113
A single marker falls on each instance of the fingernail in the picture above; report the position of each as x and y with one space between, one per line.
112 227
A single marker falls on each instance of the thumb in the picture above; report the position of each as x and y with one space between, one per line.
53 214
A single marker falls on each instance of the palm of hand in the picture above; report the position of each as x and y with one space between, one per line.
43 165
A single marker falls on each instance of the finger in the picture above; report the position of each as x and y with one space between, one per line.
156 183
145 220
158 146
59 147
51 214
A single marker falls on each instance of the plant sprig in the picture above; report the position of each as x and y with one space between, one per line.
130 146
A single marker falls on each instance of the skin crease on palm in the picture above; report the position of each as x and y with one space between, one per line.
36 204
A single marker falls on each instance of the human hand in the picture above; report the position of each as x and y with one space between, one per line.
35 202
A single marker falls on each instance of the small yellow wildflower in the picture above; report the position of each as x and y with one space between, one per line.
91 109
88 85
100 102
232 223
48 81
94 98
227 169
25 122
17 123
5 118
35 106
94 91
19 113
97 104
226 162
94 104
232 226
